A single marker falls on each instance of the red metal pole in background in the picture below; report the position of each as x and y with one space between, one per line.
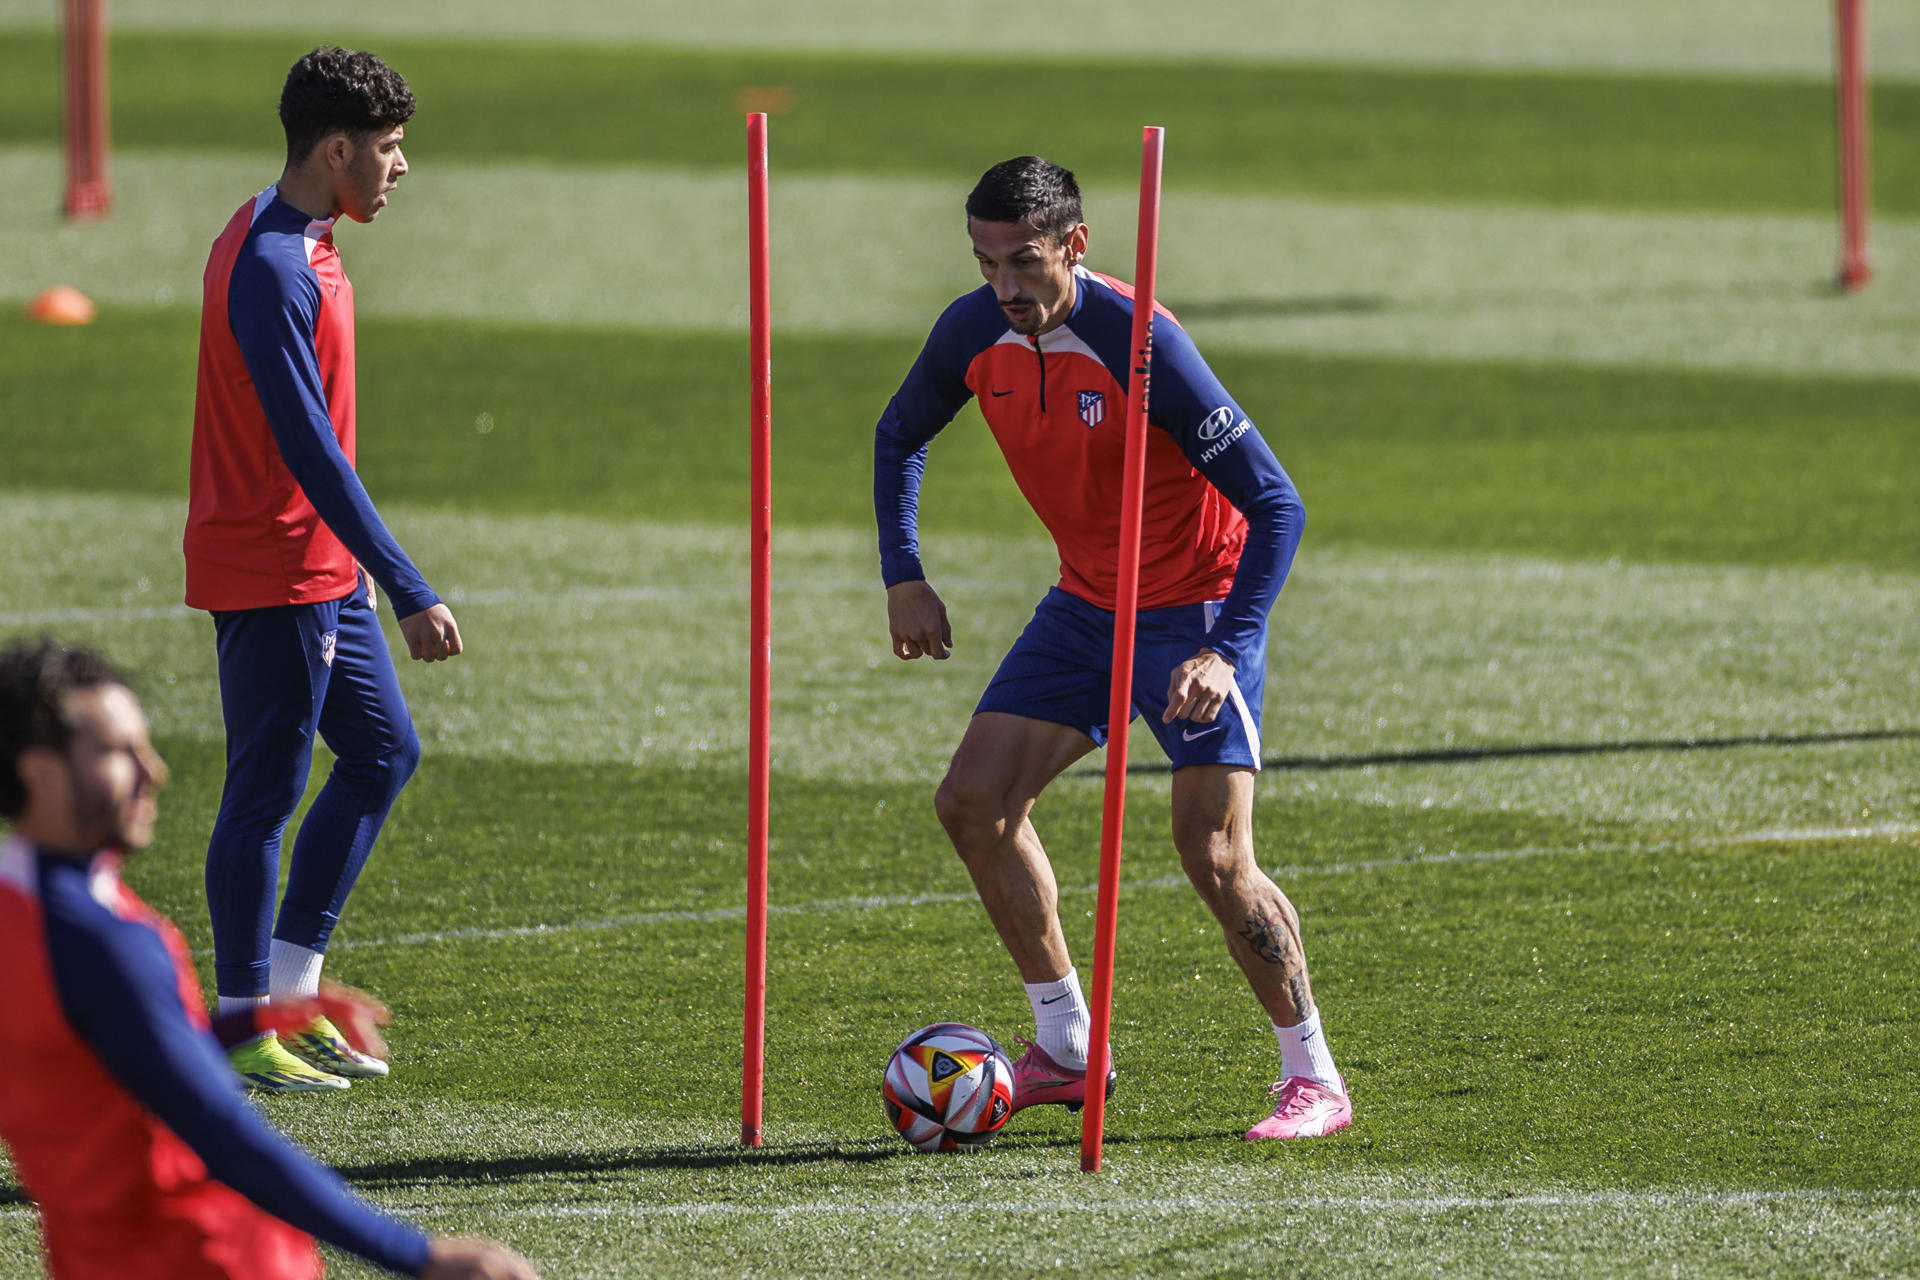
1850 93
760 649
1125 613
84 108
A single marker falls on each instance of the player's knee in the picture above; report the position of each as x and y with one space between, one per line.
967 810
1211 876
1211 859
405 759
380 778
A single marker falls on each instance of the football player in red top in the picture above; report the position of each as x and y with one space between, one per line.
283 547
1043 348
126 1127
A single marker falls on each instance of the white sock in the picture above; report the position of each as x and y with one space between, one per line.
239 1004
1061 1022
1304 1052
293 972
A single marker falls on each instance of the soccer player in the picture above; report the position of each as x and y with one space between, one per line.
126 1126
1043 347
283 547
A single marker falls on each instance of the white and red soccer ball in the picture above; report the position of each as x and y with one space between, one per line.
949 1087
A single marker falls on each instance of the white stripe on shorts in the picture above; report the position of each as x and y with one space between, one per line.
1212 615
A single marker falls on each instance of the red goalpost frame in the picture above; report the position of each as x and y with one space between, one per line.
1850 98
1125 613
759 644
84 108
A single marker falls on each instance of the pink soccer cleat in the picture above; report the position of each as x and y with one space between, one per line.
1038 1079
1303 1109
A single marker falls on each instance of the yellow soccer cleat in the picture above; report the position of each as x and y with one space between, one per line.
266 1066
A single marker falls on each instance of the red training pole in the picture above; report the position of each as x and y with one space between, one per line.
1125 612
84 108
1850 92
760 647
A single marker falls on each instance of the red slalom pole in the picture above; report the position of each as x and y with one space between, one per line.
1850 94
1125 613
760 646
84 31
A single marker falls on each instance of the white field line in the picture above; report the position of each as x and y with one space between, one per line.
1221 1204
869 903
813 586
1183 1204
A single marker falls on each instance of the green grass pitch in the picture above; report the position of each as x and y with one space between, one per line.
1593 720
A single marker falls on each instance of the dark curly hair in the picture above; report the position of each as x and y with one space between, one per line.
334 90
1028 189
35 678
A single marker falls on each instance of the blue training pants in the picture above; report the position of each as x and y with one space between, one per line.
285 672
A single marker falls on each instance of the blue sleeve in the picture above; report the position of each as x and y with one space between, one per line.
271 306
1186 400
117 987
935 390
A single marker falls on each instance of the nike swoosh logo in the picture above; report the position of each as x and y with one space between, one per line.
1051 999
1188 735
998 394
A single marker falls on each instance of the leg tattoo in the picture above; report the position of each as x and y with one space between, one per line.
1267 936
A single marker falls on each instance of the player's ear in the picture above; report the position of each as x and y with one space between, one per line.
338 149
39 769
1077 243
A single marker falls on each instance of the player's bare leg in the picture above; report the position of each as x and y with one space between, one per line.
1000 768
1213 830
1002 765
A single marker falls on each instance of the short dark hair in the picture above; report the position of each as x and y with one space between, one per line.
35 678
334 90
1028 189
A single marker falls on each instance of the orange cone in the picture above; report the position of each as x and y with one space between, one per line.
61 304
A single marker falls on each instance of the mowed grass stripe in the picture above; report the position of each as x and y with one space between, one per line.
654 251
1668 142
1575 463
1725 35
1372 654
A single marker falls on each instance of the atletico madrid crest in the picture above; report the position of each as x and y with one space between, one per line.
1093 407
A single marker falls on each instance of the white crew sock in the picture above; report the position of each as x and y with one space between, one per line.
1304 1052
1061 1022
293 972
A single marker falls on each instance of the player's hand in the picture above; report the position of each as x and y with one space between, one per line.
466 1258
918 621
1199 687
373 594
432 634
358 1015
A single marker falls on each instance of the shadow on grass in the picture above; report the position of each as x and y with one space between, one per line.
11 1195
1306 306
1524 750
1331 304
493 1169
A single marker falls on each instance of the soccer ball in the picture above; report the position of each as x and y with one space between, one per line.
949 1087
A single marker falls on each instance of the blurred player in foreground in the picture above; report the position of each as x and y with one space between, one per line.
283 546
126 1125
1044 347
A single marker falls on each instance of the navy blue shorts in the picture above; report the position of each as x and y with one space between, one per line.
1058 671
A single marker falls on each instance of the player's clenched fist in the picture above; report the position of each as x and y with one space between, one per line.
918 621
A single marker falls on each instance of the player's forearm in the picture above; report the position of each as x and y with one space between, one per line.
898 467
342 502
1274 526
